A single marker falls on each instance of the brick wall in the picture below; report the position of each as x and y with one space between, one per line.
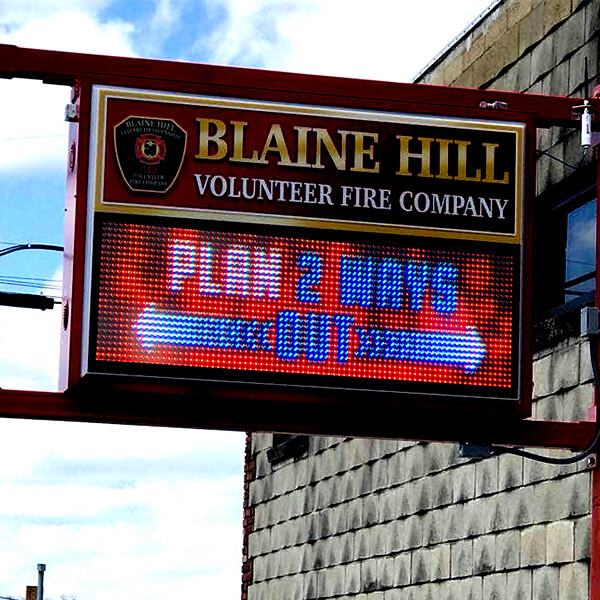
399 520
248 518
524 45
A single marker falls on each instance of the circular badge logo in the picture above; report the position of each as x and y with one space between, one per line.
150 149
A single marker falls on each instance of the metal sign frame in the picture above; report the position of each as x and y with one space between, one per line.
225 405
88 176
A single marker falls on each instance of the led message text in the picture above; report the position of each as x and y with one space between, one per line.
183 297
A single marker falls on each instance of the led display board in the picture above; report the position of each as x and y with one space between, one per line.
392 316
284 245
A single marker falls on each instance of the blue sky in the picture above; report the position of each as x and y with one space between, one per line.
125 512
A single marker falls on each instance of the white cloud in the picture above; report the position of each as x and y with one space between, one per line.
33 133
250 33
55 450
173 442
384 40
32 129
178 541
16 13
93 446
75 32
157 537
162 22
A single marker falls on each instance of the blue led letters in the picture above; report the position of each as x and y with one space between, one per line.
395 284
250 273
310 264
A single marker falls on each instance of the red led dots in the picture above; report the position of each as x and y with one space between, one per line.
277 304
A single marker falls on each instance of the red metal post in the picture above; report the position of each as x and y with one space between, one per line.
595 537
194 409
594 579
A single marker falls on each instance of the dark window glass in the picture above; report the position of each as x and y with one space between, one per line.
580 251
564 271
287 446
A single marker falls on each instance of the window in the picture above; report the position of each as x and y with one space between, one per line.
580 251
564 260
286 446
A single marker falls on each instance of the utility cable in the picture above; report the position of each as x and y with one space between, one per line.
28 300
32 282
18 247
591 448
564 162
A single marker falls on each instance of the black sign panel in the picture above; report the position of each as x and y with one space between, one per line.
149 152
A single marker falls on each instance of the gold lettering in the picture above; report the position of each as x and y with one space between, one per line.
238 145
275 136
424 156
361 150
462 163
302 145
324 140
443 174
490 159
205 138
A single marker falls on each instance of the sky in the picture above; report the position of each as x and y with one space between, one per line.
137 512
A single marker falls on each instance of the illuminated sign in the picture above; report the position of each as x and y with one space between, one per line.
304 247
198 298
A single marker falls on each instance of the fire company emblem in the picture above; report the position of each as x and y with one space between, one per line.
150 149
149 152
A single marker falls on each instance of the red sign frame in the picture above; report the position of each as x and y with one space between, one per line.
226 406
297 396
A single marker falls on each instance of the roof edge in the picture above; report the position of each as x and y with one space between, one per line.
440 56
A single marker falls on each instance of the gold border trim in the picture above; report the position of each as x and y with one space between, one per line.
268 219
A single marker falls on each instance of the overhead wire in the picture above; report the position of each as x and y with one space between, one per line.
32 282
18 247
47 289
592 446
33 137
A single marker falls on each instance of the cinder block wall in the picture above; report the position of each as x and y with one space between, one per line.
383 520
536 46
390 520
523 45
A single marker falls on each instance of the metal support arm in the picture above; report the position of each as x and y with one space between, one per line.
65 68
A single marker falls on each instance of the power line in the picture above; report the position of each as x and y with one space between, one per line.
42 288
51 282
45 285
28 284
19 247
10 242
41 302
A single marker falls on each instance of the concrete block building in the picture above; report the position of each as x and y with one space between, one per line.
370 519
